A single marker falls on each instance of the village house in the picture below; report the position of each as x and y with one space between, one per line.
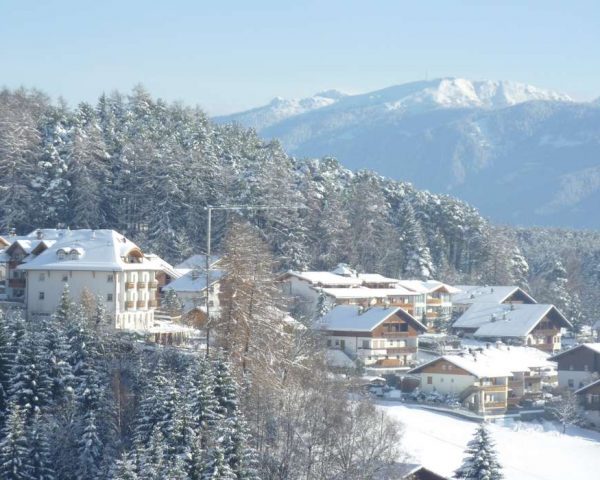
380 337
467 295
527 370
190 288
478 383
103 262
589 400
535 325
18 249
429 301
578 366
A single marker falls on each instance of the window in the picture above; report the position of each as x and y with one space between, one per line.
65 278
441 380
365 344
42 277
329 343
571 383
109 297
404 327
429 380
110 278
41 295
337 342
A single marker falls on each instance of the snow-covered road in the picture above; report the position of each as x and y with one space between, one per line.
526 450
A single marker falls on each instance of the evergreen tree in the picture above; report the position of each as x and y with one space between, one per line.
5 368
30 387
39 450
125 469
481 461
15 460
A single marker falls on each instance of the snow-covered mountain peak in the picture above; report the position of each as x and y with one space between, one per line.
463 93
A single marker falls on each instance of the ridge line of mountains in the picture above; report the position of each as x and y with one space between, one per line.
522 155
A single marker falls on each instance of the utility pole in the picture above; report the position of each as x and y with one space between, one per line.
209 209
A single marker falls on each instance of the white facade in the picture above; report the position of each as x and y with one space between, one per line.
575 379
446 383
103 262
128 296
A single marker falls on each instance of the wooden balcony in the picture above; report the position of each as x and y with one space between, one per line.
489 405
395 334
152 303
494 388
129 285
141 303
16 283
129 303
152 284
434 301
141 284
401 350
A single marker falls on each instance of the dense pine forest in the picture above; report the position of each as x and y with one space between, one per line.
148 168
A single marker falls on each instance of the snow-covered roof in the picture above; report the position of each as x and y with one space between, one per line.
357 292
587 387
469 294
99 250
344 270
477 365
426 286
499 320
374 278
595 347
353 318
514 358
194 281
197 261
338 359
326 279
163 265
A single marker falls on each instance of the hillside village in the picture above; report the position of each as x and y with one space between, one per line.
479 349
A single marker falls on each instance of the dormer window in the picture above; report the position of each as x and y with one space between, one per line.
61 254
74 255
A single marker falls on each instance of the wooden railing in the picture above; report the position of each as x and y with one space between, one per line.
494 388
129 303
495 405
152 303
141 303
129 285
152 284
395 334
141 284
434 301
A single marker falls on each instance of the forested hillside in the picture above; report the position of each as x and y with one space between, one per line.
148 169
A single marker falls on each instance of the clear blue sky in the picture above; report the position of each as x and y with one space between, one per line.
228 55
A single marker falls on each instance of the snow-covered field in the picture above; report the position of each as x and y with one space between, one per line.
526 450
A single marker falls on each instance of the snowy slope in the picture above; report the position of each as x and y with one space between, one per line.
280 108
521 154
526 450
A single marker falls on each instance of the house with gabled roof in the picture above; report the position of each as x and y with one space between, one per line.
380 337
468 295
477 382
578 366
589 400
536 325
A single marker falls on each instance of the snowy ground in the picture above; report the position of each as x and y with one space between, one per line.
527 450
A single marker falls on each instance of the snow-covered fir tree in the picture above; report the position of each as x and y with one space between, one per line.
481 462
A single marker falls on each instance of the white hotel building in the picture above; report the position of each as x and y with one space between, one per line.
105 263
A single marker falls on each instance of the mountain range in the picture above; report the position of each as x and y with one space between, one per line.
521 154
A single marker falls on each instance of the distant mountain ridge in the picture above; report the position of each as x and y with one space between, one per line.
521 154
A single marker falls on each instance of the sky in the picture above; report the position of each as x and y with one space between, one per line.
231 55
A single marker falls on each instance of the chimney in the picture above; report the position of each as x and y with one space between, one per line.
361 309
39 234
492 289
12 232
493 317
93 235
512 307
